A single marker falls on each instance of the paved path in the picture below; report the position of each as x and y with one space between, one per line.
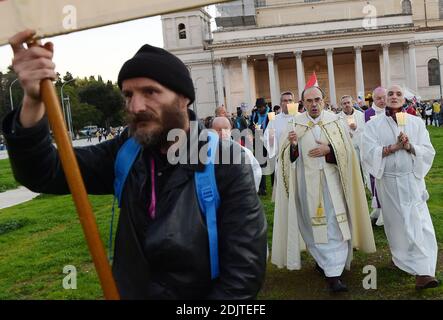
13 197
17 196
77 143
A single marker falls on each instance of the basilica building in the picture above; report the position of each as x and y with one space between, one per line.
261 48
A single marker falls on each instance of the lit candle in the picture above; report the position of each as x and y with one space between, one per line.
271 116
401 119
351 120
293 109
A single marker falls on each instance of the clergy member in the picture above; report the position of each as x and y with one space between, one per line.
353 121
397 151
378 107
320 195
277 132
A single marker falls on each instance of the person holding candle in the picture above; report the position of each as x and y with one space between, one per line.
320 195
397 151
354 121
279 126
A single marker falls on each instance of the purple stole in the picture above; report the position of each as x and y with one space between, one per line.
369 113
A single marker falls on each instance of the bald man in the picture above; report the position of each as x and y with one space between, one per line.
399 155
223 127
220 111
353 121
377 108
321 194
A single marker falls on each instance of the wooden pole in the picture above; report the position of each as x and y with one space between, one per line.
77 187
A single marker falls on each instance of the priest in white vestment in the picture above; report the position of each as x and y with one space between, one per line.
398 152
353 120
320 195
276 131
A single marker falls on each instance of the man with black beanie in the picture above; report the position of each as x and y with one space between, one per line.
161 246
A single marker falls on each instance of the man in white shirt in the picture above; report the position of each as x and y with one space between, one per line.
223 127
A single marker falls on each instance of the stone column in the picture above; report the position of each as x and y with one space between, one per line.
413 67
277 80
219 80
272 81
359 77
386 66
301 82
331 76
246 84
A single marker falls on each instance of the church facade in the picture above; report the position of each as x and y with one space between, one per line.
262 48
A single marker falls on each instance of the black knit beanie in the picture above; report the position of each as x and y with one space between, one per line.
159 65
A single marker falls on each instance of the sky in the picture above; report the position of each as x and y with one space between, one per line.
100 51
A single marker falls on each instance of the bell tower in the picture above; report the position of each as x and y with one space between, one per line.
186 30
186 35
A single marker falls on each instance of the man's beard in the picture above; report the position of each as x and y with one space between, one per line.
171 117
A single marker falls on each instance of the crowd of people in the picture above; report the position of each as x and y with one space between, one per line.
197 229
327 178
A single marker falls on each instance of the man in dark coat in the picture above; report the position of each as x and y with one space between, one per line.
259 122
161 246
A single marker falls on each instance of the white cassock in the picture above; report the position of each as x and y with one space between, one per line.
310 184
279 126
359 119
402 191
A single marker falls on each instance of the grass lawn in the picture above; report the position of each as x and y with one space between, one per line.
40 237
7 181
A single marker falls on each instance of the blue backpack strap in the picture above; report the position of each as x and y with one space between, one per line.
126 156
209 201
123 163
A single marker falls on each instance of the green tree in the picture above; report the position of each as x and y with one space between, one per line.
106 98
6 80
85 114
68 77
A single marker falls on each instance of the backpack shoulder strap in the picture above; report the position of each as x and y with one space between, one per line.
123 163
209 201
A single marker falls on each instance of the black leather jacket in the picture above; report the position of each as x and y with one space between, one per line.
166 257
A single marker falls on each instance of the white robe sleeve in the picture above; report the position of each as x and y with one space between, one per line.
358 133
372 151
256 169
270 140
424 152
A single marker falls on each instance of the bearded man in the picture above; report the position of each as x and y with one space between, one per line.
161 247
